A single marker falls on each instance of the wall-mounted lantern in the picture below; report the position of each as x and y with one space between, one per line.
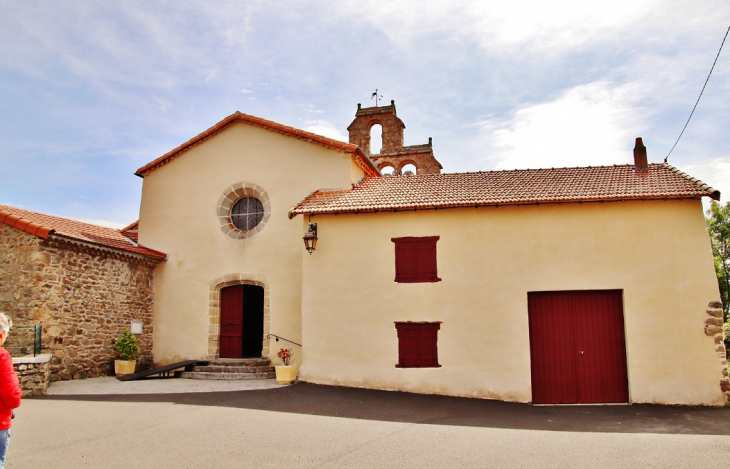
310 239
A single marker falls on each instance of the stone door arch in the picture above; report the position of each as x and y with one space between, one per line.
214 308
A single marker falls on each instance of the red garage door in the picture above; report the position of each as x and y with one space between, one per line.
577 347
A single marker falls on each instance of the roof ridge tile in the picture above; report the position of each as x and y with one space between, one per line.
502 187
364 161
43 225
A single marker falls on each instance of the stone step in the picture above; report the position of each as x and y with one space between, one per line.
233 369
240 362
226 376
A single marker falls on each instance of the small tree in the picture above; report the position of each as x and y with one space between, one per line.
718 224
127 346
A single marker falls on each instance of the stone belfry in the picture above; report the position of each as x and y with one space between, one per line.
392 153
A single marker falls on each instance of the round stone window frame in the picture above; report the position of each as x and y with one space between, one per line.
232 195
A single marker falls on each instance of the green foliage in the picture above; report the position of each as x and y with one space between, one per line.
718 225
127 346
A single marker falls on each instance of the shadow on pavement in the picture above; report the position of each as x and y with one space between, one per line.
391 406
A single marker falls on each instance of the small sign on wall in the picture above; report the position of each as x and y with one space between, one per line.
136 327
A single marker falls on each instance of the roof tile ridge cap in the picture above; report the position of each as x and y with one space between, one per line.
122 230
238 115
68 238
206 133
697 182
295 131
359 152
518 170
490 171
293 211
30 227
162 254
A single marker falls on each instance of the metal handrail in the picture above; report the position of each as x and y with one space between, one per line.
36 340
268 336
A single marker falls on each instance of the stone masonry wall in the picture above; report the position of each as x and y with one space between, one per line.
82 300
366 118
34 374
392 153
713 328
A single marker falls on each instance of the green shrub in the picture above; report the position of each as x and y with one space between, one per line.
127 346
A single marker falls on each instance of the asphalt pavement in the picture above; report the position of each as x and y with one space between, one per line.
312 426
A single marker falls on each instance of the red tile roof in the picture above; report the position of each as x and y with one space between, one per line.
530 186
361 159
131 231
43 226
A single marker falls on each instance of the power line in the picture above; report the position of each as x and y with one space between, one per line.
698 98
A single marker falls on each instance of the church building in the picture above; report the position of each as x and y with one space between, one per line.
561 285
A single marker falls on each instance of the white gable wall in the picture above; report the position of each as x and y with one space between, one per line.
178 217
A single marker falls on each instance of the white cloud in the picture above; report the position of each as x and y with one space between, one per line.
163 105
105 223
714 172
492 23
561 83
593 124
325 128
211 75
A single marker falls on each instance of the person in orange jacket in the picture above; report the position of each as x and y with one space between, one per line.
10 392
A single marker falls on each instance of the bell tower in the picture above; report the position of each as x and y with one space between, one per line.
393 153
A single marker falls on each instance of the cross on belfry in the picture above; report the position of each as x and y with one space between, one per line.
376 96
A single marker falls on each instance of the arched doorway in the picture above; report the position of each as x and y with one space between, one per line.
241 321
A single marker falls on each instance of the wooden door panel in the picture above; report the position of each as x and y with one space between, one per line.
231 330
599 328
551 351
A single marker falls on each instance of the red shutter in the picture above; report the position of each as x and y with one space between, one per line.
417 344
415 259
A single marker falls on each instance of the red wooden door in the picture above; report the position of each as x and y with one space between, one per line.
231 335
577 347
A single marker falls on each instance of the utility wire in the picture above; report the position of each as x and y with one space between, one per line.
698 98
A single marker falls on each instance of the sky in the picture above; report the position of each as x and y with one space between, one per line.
91 91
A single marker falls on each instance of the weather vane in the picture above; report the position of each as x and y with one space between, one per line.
376 96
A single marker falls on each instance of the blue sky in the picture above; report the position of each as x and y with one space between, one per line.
91 91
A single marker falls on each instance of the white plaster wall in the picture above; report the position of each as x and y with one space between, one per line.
657 252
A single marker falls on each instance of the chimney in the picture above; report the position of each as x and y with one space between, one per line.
640 161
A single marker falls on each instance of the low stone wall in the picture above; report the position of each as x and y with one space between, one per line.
34 374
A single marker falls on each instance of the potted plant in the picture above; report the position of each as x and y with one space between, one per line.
127 348
287 372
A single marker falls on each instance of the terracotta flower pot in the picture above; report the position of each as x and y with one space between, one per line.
124 367
286 374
